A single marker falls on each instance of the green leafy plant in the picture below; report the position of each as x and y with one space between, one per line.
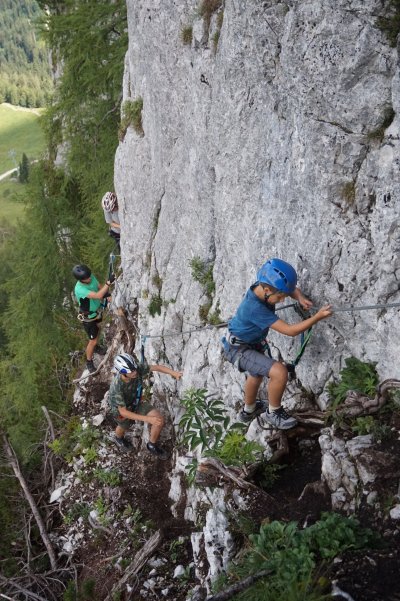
131 116
348 192
90 455
203 422
358 376
204 311
191 471
204 426
363 425
381 432
110 477
215 40
379 133
389 24
370 425
206 10
237 450
214 318
292 557
156 280
202 272
187 35
155 305
77 510
176 548
101 507
77 438
268 474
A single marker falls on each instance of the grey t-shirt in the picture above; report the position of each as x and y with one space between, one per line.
111 216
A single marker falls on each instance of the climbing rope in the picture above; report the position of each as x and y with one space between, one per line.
365 307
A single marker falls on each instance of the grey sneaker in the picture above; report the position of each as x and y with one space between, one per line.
245 417
90 366
123 444
280 419
159 452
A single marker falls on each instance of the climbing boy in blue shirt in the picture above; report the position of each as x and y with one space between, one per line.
246 341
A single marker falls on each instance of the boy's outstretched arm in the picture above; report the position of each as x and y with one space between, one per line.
297 328
166 370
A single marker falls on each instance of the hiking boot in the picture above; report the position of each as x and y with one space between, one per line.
100 350
245 417
123 444
90 366
280 419
157 451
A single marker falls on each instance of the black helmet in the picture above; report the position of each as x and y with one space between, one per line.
81 272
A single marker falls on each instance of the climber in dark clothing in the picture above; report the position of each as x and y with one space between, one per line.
126 403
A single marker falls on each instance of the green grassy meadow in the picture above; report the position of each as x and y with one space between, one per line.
10 209
19 132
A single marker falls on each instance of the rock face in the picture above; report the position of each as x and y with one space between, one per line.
275 132
271 142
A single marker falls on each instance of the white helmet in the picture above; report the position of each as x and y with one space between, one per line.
109 202
125 364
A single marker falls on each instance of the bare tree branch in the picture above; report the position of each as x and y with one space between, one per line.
28 594
47 416
138 562
12 458
238 587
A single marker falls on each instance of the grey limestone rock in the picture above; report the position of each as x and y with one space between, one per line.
281 140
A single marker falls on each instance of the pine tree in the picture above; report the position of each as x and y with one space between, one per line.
24 169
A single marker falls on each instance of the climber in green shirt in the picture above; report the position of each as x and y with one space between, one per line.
90 297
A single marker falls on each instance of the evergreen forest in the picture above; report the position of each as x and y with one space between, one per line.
25 77
64 225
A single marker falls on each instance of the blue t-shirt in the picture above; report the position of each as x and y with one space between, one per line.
252 320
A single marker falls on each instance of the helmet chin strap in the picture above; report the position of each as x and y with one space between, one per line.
266 300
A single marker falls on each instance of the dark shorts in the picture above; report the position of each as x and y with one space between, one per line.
249 360
92 328
142 409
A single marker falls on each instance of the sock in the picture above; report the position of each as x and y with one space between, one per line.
249 408
271 408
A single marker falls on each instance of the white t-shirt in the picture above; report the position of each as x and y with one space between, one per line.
111 216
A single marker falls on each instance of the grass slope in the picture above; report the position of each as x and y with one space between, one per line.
20 132
10 209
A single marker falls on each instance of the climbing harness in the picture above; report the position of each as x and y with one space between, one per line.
304 340
83 316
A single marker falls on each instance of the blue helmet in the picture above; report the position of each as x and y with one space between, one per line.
279 275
